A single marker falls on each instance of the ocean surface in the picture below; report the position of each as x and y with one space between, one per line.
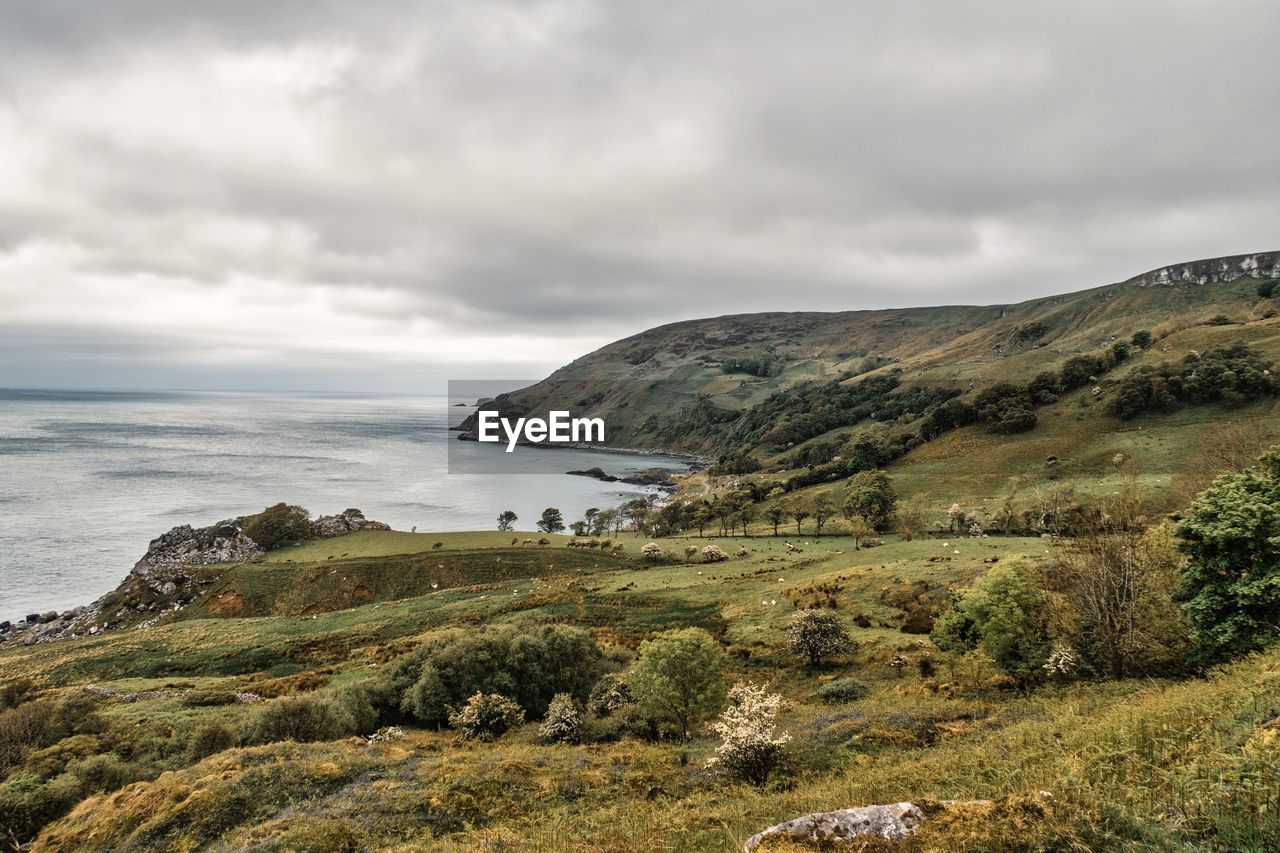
88 479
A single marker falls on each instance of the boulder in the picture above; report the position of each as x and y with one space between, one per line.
823 829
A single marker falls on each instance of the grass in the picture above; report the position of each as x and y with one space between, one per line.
1144 765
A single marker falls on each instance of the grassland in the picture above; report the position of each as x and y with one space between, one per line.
1144 765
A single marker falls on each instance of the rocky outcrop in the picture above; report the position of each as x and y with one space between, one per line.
164 580
823 829
347 521
1211 270
188 546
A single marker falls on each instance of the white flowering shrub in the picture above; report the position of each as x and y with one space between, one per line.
976 531
652 551
713 554
563 723
751 747
1062 663
487 716
817 634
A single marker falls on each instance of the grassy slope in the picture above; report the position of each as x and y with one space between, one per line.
1154 756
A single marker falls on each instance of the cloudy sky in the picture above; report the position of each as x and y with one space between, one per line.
383 195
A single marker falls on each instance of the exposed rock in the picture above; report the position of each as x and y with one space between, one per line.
896 820
1258 265
595 472
347 521
188 546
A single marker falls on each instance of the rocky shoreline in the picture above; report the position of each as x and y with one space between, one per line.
165 580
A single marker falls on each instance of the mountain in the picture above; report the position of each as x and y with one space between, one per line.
679 386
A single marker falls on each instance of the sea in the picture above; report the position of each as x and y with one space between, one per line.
87 479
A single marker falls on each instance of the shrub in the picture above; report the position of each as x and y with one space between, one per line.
208 698
531 668
563 723
302 718
1141 339
1267 289
713 554
209 739
843 690
15 692
750 748
277 525
817 634
487 716
652 552
609 694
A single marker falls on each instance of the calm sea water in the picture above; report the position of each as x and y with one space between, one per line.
88 479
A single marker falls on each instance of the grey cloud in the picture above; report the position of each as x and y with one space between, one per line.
561 173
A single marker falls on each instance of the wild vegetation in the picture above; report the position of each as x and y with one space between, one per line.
932 580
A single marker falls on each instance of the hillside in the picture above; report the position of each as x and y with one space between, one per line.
683 385
163 745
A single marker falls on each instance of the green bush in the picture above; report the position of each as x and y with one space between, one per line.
315 716
530 668
208 698
210 739
843 690
277 525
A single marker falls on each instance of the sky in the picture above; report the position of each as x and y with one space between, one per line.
382 195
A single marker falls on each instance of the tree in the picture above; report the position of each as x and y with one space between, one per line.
1267 288
506 518
701 516
578 528
871 496
747 514
552 521
589 517
679 677
817 634
776 512
911 519
860 529
1231 584
1118 583
1005 614
750 749
823 508
799 510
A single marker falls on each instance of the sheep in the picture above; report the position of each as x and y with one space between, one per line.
528 542
437 545
544 541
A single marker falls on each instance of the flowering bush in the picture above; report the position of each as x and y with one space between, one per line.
487 716
563 723
652 551
816 634
713 554
751 749
1062 663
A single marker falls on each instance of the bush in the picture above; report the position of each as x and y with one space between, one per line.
750 748
1267 289
563 723
305 718
609 694
714 554
817 634
208 698
210 739
843 690
487 716
531 668
14 693
277 525
653 552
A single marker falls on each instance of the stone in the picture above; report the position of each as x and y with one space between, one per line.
822 829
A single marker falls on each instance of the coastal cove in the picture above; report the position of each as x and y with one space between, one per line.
91 478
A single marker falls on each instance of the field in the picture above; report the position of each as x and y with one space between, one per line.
1142 764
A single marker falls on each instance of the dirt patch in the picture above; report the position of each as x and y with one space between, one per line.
227 603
